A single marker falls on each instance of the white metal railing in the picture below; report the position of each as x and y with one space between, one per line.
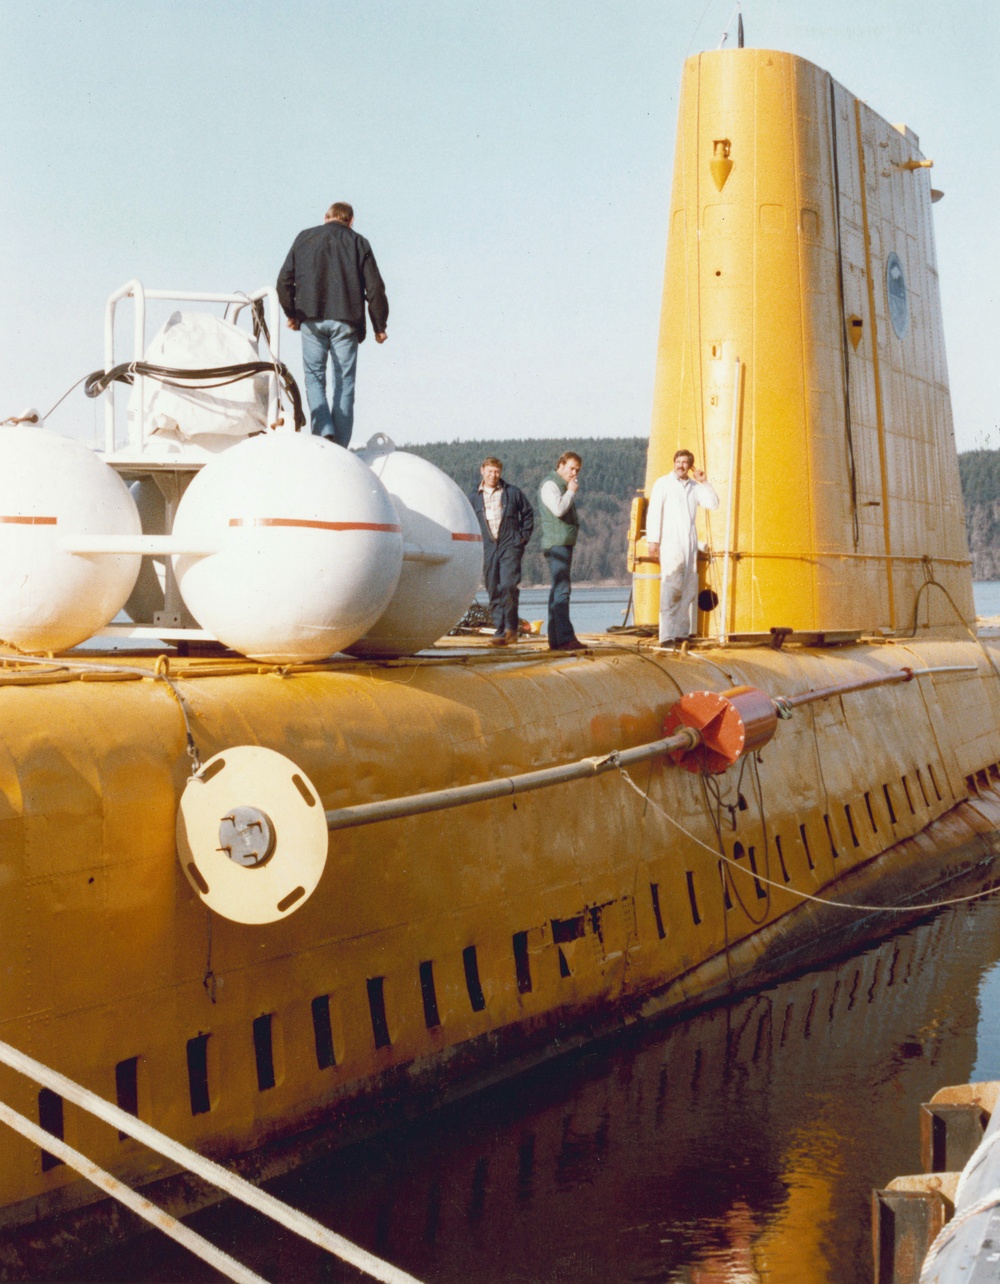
228 1182
134 289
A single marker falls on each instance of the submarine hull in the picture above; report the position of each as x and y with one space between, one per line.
441 952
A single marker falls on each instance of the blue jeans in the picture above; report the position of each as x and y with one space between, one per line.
560 560
338 341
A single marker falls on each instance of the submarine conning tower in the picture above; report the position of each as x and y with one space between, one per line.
801 357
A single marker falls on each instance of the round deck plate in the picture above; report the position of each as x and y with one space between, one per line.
248 781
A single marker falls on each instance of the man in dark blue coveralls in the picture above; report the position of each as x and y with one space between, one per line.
506 520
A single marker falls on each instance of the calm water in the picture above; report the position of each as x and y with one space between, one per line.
594 609
739 1145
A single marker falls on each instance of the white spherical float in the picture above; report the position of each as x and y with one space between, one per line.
52 489
310 552
442 551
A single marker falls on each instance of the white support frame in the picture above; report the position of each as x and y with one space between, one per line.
134 289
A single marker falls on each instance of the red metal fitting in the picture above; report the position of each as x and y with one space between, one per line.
730 724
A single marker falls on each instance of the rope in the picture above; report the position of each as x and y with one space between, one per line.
159 673
948 1232
291 1218
806 896
137 1203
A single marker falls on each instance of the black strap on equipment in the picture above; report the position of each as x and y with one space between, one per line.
220 376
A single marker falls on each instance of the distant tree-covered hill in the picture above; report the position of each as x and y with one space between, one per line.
613 469
980 473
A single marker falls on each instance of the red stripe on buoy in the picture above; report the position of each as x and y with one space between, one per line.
473 539
315 526
29 521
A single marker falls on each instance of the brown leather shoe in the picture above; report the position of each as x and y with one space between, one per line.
510 636
498 641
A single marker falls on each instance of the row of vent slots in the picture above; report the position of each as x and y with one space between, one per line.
739 853
50 1104
980 780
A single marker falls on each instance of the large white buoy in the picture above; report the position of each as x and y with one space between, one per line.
442 552
52 488
311 547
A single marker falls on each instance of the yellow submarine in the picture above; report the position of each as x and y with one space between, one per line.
269 905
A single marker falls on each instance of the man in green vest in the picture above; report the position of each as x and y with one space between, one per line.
560 525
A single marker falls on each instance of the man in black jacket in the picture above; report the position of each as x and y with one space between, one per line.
506 520
326 278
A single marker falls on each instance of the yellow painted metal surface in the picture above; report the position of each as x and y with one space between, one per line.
813 265
109 955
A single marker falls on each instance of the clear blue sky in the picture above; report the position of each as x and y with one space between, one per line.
510 163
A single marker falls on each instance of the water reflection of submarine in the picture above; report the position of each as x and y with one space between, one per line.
285 547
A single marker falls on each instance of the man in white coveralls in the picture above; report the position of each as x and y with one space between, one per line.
673 540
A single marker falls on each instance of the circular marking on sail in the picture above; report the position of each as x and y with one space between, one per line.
895 288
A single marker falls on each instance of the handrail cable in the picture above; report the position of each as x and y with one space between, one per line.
225 1180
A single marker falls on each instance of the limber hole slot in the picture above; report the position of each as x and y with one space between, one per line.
197 1059
727 899
761 891
376 1004
432 1018
695 916
888 803
127 1089
850 826
934 782
50 1117
871 813
829 833
781 858
654 891
263 1051
472 983
909 800
805 843
522 964
323 1032
923 791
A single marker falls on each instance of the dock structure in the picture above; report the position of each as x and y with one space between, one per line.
942 1226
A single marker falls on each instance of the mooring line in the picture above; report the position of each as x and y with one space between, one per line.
794 891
